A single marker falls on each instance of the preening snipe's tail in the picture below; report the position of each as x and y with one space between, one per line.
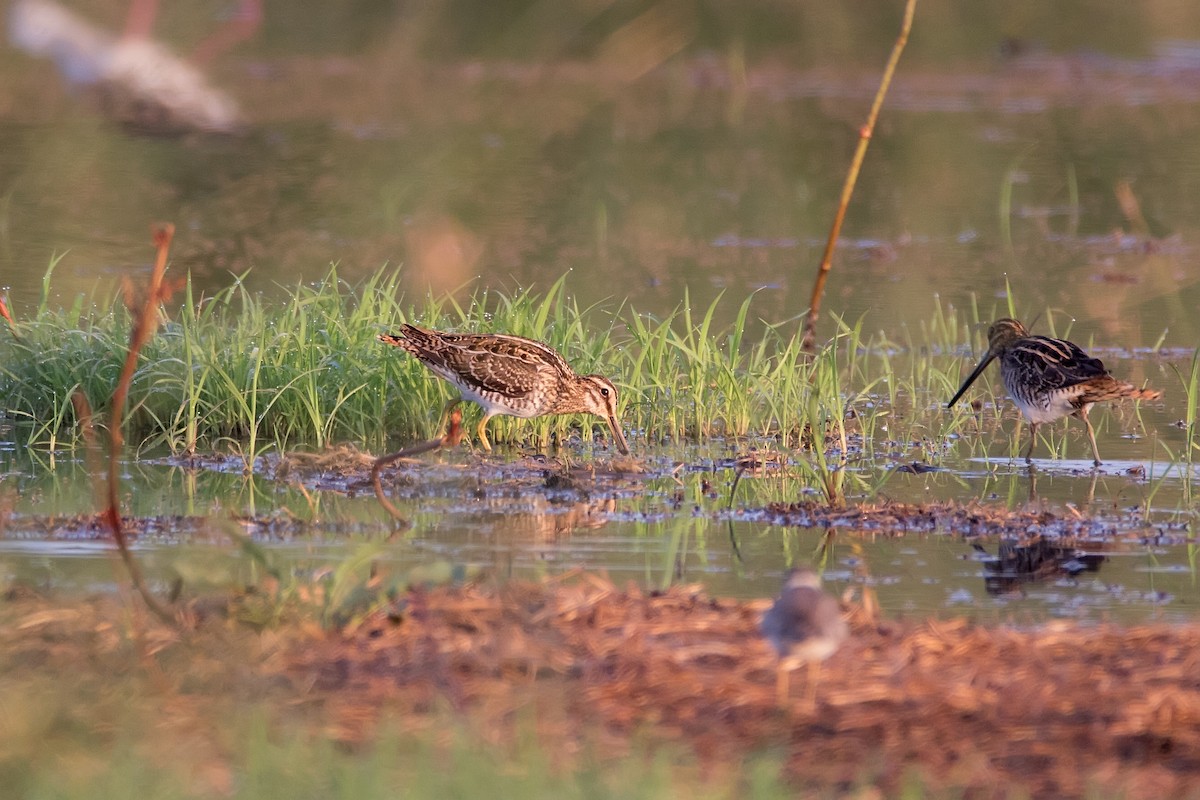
1099 390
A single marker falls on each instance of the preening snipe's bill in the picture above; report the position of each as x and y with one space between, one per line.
510 375
1049 379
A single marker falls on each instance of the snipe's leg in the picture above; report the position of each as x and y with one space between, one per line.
1083 415
1032 441
482 431
814 672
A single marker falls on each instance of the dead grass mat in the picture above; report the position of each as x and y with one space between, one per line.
1055 711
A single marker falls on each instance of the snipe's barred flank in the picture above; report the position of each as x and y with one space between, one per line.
1050 378
510 375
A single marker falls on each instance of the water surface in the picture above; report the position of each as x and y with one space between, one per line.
1022 157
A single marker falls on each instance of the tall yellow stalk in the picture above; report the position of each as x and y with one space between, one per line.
864 139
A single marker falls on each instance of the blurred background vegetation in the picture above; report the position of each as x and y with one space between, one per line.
646 147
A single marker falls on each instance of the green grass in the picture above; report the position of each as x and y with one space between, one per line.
248 758
241 372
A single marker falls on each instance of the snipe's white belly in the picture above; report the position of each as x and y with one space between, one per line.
1044 407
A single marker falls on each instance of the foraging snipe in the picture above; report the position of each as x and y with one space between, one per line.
510 375
804 625
1050 378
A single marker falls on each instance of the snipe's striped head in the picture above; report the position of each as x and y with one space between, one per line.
595 394
1002 334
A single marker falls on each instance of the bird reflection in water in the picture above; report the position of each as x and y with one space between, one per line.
1016 565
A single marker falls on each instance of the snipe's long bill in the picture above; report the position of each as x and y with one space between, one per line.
510 375
1049 379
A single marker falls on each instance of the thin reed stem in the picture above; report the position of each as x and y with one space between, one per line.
864 139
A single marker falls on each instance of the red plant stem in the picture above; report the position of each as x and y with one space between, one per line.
143 327
451 438
12 324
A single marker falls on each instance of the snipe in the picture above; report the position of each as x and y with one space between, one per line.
1049 378
510 375
805 626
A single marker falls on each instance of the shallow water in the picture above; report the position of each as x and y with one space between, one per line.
1000 161
674 524
915 575
1020 157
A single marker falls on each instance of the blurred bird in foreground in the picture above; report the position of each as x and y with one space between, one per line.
804 625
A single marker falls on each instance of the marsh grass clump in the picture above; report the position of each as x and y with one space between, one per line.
228 368
238 371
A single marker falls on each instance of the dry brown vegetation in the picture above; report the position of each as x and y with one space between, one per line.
1053 711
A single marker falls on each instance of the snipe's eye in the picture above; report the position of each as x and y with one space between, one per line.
603 391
